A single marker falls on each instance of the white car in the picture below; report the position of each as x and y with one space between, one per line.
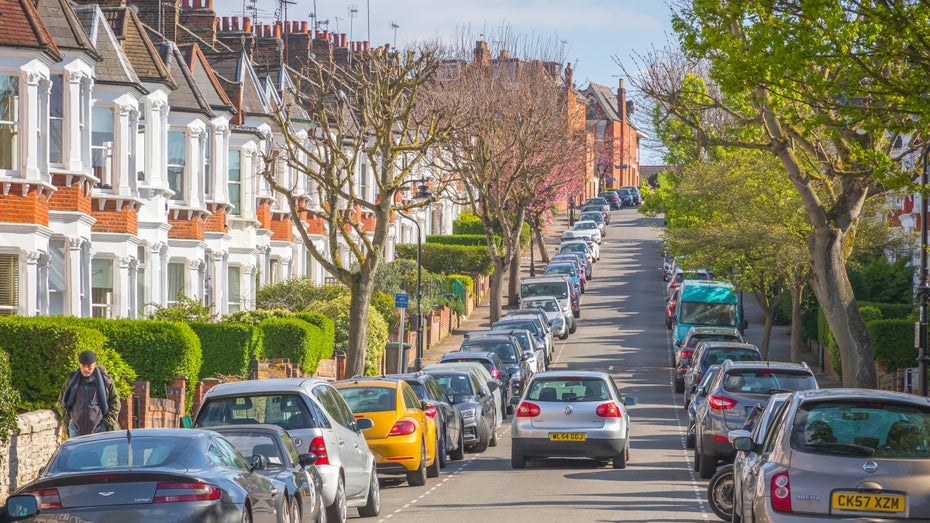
592 248
589 227
562 324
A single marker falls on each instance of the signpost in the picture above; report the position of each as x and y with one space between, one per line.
401 301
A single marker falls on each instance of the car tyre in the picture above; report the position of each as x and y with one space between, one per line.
493 441
372 506
619 461
338 510
441 451
708 467
696 464
293 511
689 440
459 453
573 327
417 478
483 437
720 493
679 386
517 461
577 313
432 471
564 336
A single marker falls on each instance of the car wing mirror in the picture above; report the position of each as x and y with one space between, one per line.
259 462
21 506
741 439
629 401
364 424
306 459
493 386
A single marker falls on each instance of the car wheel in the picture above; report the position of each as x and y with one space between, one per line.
441 451
564 336
708 466
372 506
417 478
458 454
573 327
619 461
337 511
246 515
696 465
432 471
493 441
293 512
689 440
720 493
679 386
483 437
517 461
577 313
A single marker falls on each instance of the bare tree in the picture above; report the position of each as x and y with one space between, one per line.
370 118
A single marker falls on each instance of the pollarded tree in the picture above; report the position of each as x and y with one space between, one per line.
515 136
375 126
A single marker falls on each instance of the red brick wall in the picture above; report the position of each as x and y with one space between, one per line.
70 198
216 222
187 229
368 221
315 224
16 208
263 214
111 219
281 228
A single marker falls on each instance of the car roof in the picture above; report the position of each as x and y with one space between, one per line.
461 355
860 394
761 365
713 344
250 427
540 298
544 279
572 374
265 386
713 330
584 221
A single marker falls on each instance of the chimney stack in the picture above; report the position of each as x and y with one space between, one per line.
199 17
482 54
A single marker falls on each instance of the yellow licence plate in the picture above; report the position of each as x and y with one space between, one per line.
855 501
567 436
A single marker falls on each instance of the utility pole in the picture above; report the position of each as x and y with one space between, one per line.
394 26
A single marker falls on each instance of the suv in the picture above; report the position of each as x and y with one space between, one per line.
473 400
709 353
558 286
550 306
531 323
696 335
511 354
495 367
736 389
613 199
320 422
439 407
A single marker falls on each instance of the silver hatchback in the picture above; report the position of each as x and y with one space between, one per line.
571 414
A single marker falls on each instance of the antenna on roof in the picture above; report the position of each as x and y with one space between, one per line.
353 12
394 26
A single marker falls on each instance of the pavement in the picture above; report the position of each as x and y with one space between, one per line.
479 319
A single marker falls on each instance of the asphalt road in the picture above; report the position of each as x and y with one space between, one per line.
621 330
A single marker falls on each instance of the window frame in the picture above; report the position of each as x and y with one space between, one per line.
15 85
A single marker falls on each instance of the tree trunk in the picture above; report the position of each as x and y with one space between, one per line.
513 281
497 283
541 243
357 346
797 295
768 314
835 296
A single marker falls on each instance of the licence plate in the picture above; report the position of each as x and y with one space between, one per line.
567 436
851 501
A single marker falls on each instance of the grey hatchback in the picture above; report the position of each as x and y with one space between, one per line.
709 353
729 398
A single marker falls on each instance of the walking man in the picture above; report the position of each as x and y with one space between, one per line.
89 402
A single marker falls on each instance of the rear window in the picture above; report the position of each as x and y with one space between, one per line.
694 340
287 411
487 364
552 288
862 428
111 453
504 350
370 399
546 305
568 389
719 355
561 269
768 381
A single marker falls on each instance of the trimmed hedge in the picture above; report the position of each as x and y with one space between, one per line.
226 348
890 311
338 310
461 239
9 399
327 340
893 343
448 259
43 350
157 350
467 281
292 338
469 224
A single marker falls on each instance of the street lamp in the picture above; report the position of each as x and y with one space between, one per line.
571 211
923 288
422 192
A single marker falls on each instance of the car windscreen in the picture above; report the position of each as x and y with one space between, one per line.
718 355
568 389
708 313
522 336
862 428
593 216
573 247
284 410
503 349
370 399
561 269
146 451
546 305
587 225
559 289
527 324
768 381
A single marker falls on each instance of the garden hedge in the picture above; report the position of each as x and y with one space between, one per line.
226 348
890 311
893 343
460 239
327 339
448 259
338 310
294 339
43 350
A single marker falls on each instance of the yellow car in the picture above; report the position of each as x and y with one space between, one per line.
403 439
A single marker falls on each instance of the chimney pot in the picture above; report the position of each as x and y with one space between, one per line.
342 40
208 4
235 23
303 27
325 35
246 24
186 4
366 45
225 25
295 26
277 30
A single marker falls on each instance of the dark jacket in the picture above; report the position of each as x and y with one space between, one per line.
90 402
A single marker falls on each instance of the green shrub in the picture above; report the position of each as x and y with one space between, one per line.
295 294
226 348
384 304
447 259
878 280
889 311
43 350
461 239
157 350
870 313
338 311
257 316
893 343
825 338
292 338
468 224
9 399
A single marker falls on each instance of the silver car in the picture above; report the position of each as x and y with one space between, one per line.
838 455
318 420
571 414
554 313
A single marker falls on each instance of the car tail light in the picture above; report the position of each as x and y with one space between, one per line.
403 427
430 410
687 354
318 449
781 492
48 498
720 402
527 410
496 374
177 492
608 410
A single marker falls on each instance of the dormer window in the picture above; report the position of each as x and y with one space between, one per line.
9 116
101 146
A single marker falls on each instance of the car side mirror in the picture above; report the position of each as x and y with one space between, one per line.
527 355
364 424
629 401
424 406
514 401
306 459
741 439
493 386
743 325
259 462
21 506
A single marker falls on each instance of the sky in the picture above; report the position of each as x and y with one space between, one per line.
593 35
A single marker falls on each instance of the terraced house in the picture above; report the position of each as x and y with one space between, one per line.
132 138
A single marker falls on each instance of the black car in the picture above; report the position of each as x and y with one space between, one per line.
495 366
153 475
473 399
302 481
626 196
508 348
612 198
448 419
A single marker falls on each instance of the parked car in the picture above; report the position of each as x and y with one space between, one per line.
153 475
709 353
472 398
731 396
634 190
599 203
685 351
550 306
626 197
603 209
507 347
613 199
581 258
492 384
496 372
696 400
596 217
671 309
531 323
575 259
439 407
831 454
567 269
558 286
303 501
403 439
580 246
535 353
589 227
571 414
319 421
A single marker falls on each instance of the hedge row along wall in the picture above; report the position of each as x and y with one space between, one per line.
891 331
226 348
449 259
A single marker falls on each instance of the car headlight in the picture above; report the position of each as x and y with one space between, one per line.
468 413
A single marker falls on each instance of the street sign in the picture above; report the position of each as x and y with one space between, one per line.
401 300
